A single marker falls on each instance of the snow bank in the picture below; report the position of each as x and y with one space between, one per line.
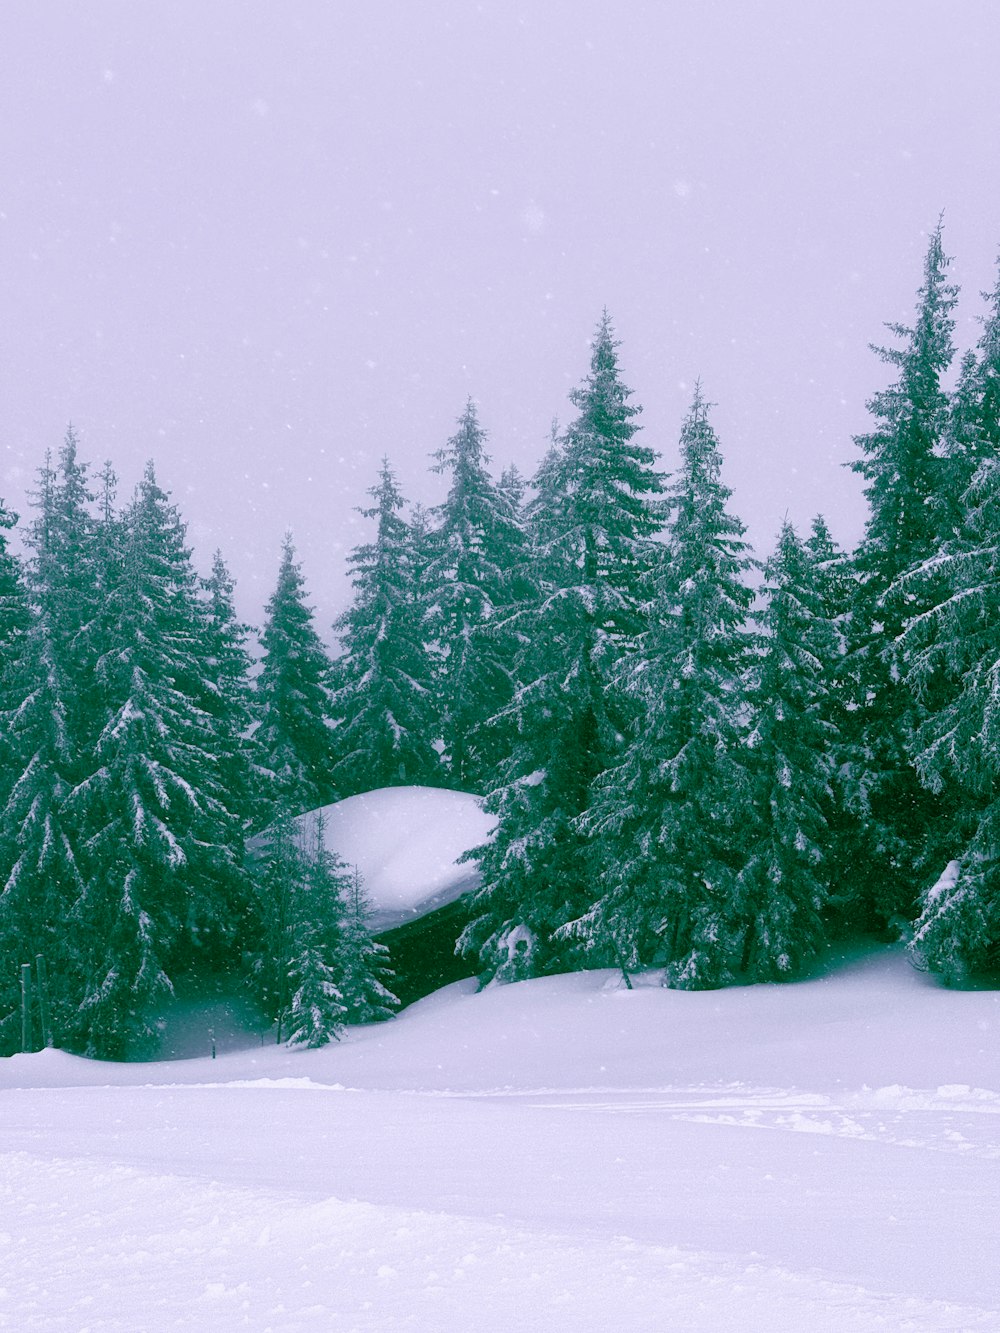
406 842
872 1024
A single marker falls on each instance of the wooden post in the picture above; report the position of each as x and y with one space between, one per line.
26 1007
43 1000
211 1037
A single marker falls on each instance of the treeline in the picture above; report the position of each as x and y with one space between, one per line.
693 767
136 758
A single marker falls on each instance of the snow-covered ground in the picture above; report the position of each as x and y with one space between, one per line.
559 1154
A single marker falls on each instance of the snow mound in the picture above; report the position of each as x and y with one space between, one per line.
406 841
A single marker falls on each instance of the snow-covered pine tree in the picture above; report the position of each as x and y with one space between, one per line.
318 1006
299 912
419 539
164 891
67 586
784 886
40 879
365 967
15 620
15 614
47 726
230 703
512 486
291 700
957 934
669 819
317 966
952 656
384 701
592 525
469 586
905 472
972 430
845 809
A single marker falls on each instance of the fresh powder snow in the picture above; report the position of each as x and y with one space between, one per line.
562 1153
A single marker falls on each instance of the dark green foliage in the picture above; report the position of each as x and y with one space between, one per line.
901 462
469 587
972 430
957 934
41 883
366 973
906 472
784 886
300 912
317 966
952 656
317 1007
384 700
47 723
15 622
163 847
229 700
845 807
592 524
292 697
668 819
15 615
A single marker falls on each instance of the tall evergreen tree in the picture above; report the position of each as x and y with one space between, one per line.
972 429
40 877
67 585
15 616
317 1009
593 522
15 621
384 699
785 884
846 841
292 696
163 889
905 472
668 818
299 911
230 701
47 726
469 585
952 657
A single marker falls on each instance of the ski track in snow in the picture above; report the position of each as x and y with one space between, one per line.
935 1121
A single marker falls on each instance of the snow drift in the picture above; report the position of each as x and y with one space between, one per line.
406 842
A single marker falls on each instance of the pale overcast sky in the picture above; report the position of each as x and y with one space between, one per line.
266 244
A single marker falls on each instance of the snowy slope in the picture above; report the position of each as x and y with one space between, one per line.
561 1154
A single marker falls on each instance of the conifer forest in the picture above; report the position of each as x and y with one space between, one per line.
700 760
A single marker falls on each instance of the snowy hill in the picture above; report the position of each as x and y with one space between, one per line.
559 1154
406 841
